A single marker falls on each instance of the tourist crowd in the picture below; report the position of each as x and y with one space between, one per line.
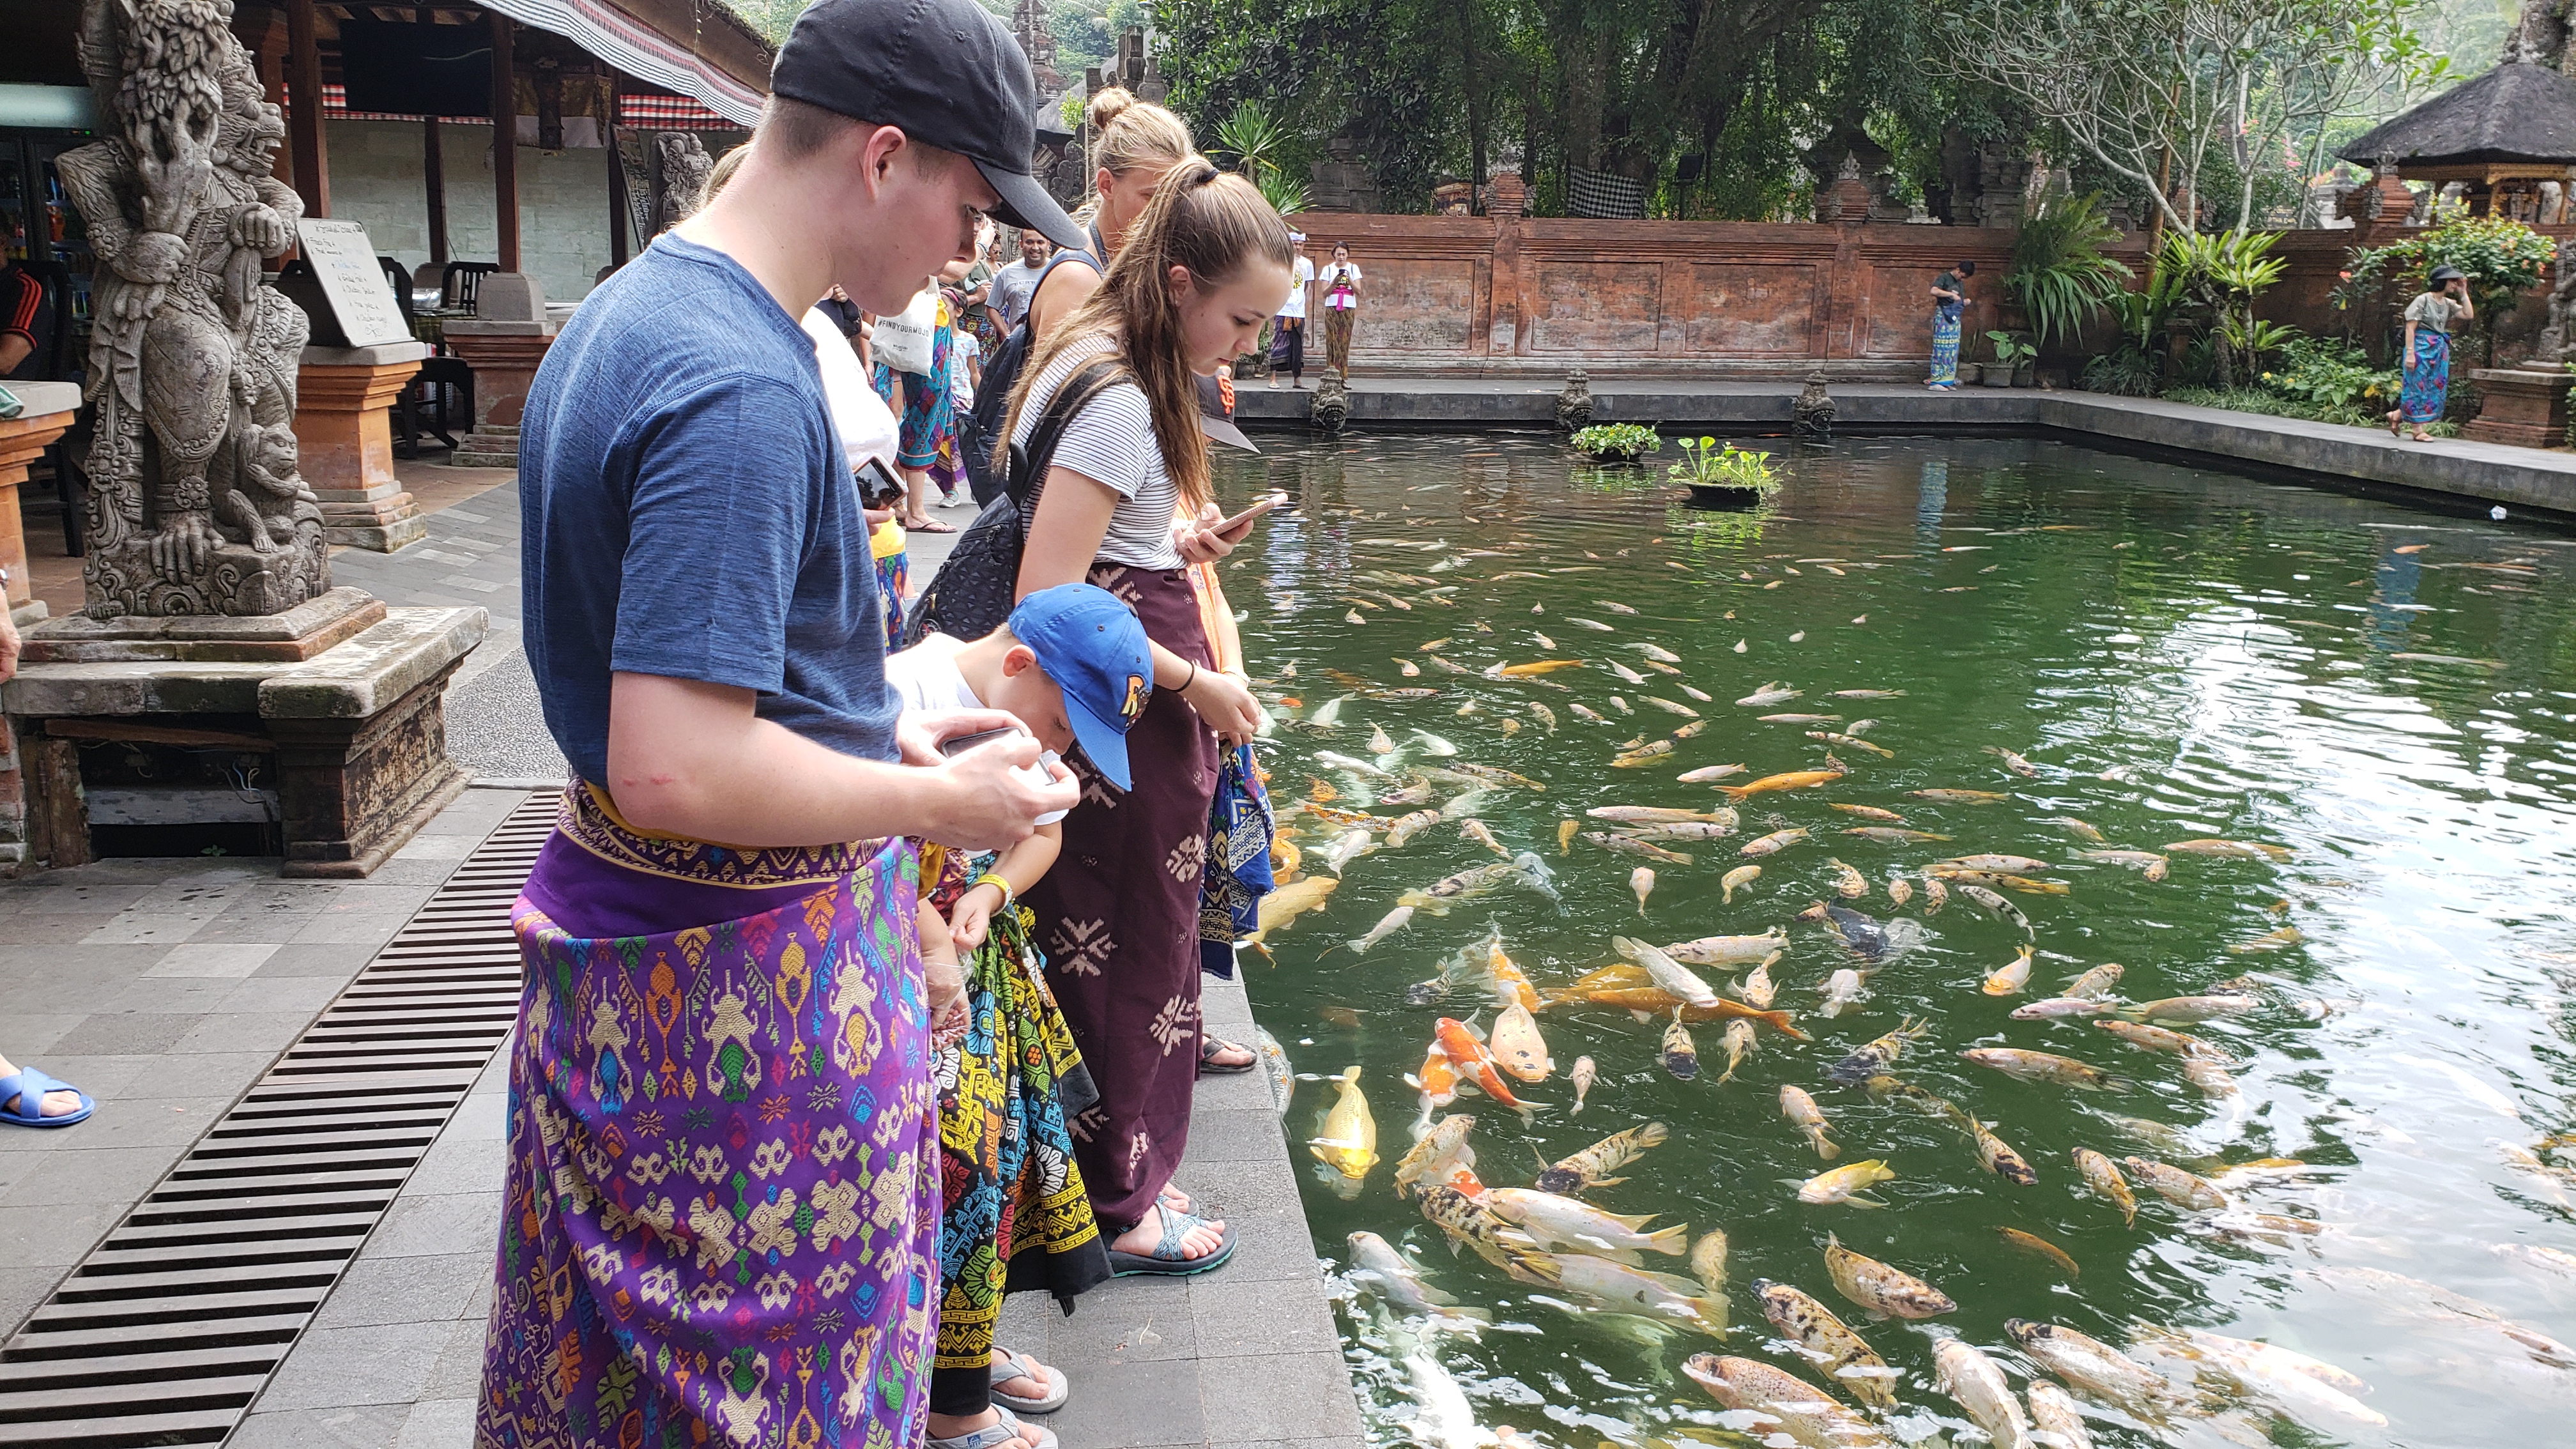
864 965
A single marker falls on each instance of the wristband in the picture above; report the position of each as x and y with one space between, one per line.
1194 676
995 880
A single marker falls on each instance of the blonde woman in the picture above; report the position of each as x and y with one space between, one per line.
1134 143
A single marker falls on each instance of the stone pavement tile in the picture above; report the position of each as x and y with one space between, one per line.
148 924
456 1165
362 1426
104 1076
31 1034
243 1031
451 1223
326 958
54 977
378 1291
21 1289
1247 1136
482 1115
1129 1320
458 1371
1259 1201
88 1177
306 994
437 847
125 1033
232 960
416 871
439 1424
210 1073
50 893
1282 1396
54 1237
149 995
370 930
1132 1406
381 898
264 924
1239 1319
168 1124
341 1367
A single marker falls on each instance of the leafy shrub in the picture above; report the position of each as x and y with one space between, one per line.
2503 259
2277 405
1709 466
2059 272
1617 442
2011 351
2129 372
2333 380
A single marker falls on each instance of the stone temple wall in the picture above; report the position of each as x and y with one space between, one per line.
563 199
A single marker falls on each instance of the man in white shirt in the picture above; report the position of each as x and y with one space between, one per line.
1288 348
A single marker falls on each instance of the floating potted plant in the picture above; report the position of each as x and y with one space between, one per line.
1617 442
1725 476
2012 355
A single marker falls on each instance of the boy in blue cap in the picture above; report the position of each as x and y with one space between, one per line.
1073 664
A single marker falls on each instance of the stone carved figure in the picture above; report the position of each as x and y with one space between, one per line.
2556 343
1332 405
195 503
684 164
1812 415
1574 405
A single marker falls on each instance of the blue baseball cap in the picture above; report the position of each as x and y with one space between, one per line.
1093 647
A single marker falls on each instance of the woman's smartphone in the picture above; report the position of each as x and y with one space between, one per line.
1262 506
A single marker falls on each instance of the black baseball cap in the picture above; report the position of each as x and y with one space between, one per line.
947 72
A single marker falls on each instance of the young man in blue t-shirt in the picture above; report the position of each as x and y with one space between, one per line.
702 624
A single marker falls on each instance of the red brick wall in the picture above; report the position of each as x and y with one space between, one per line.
1481 297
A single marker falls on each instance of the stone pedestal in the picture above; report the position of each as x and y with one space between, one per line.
2527 407
345 444
505 357
49 407
352 736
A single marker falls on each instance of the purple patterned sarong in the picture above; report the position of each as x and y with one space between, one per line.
721 1219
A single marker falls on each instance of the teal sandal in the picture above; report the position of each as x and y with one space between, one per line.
1166 1261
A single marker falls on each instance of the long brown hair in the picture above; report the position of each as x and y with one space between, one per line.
1203 219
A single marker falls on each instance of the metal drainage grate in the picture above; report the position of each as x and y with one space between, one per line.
171 1325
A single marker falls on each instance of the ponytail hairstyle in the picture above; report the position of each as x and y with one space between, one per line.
1208 221
1130 135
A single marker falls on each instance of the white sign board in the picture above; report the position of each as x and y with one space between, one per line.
360 297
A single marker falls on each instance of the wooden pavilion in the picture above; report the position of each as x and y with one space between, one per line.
2500 136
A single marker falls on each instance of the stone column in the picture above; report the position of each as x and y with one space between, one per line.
1506 199
346 440
23 439
504 342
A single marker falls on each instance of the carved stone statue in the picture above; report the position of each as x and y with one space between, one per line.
2556 343
1574 405
684 164
1332 405
1812 415
195 502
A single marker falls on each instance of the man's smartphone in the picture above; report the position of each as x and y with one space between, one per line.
963 743
1260 507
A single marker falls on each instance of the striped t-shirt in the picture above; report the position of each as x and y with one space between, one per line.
1112 440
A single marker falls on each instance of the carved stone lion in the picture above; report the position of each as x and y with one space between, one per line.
684 165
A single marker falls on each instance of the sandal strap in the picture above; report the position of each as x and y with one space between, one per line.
30 1087
984 1438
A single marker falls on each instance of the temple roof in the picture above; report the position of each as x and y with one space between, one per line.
2518 111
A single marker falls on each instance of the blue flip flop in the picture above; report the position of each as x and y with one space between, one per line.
1166 1260
30 1087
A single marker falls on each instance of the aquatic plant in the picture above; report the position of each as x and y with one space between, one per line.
1707 464
1618 442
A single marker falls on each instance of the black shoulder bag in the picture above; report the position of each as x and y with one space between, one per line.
983 422
974 590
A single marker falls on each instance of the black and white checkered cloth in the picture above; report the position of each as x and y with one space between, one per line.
1601 194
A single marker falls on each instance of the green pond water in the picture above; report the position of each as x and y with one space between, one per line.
2179 654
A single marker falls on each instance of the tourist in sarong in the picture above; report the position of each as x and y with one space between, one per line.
721 1210
1949 304
928 451
1196 276
2426 352
1135 142
1340 286
1288 337
1074 664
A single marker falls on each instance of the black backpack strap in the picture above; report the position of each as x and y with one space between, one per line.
1030 460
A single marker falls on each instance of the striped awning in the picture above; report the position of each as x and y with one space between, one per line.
644 113
606 31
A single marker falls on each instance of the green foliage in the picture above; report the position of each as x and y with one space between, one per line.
1618 442
2273 404
2333 380
2011 351
2126 371
1708 465
2060 274
2502 258
1251 138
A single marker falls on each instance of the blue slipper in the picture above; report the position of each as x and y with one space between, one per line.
29 1087
1166 1260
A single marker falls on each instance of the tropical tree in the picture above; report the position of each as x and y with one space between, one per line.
2169 94
2061 274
